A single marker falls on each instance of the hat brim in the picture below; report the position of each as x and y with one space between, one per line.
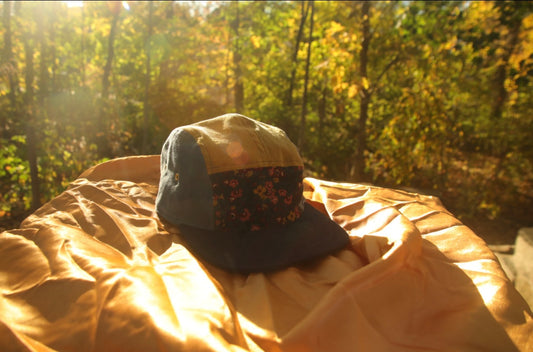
312 236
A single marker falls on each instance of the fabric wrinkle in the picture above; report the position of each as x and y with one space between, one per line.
95 270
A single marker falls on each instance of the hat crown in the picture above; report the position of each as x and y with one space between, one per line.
230 173
234 141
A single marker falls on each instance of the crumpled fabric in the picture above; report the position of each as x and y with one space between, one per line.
96 270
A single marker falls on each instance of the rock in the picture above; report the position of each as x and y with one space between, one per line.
502 248
523 263
519 265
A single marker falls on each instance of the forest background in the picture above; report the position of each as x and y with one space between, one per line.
428 96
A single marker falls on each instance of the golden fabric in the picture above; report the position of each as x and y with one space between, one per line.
96 270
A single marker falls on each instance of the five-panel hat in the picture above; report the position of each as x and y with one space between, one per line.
233 187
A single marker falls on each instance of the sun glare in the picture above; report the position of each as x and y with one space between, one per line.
80 4
74 3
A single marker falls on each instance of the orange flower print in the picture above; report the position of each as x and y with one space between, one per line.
292 216
236 193
250 199
245 215
288 199
260 191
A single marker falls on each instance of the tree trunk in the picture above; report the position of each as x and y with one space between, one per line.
43 69
501 73
358 172
288 97
110 55
30 121
82 48
147 78
322 105
239 85
303 117
53 88
227 89
103 130
9 65
501 148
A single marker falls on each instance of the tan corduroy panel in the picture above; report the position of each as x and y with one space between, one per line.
234 141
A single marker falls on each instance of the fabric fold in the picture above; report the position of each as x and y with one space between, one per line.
96 270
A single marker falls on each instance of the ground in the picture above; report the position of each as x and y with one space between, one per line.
500 231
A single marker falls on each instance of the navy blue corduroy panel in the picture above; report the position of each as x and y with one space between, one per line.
182 163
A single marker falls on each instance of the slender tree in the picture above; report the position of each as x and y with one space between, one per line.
82 48
115 7
30 119
366 88
513 22
303 116
360 133
43 64
238 89
9 64
304 10
147 77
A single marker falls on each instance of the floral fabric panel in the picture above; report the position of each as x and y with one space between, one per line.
252 199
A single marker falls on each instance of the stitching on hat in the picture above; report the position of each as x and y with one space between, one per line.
227 168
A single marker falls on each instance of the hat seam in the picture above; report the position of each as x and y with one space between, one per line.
252 166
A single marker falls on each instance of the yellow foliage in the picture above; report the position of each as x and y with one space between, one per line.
524 52
483 12
340 87
256 41
352 91
427 51
365 83
334 28
450 44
